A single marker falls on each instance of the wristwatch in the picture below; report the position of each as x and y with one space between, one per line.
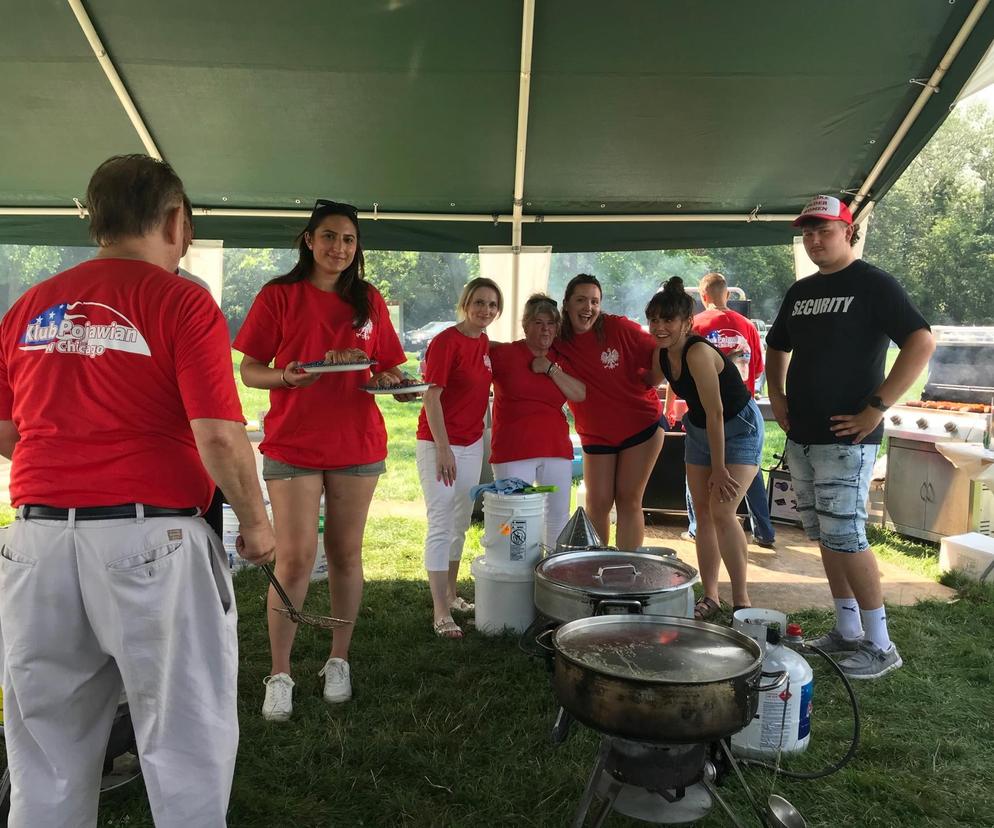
877 403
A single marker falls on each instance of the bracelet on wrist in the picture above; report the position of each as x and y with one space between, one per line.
284 380
551 369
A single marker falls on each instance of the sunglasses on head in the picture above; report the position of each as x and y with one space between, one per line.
323 205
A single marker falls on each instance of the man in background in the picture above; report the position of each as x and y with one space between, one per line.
737 338
118 409
836 325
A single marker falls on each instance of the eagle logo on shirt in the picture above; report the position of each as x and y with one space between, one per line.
486 361
366 331
610 358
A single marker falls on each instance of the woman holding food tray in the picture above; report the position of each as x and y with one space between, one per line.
449 449
324 433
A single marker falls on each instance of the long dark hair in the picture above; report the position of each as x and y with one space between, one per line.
672 302
566 333
351 286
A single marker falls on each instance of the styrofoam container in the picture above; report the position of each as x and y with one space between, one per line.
972 554
513 528
504 598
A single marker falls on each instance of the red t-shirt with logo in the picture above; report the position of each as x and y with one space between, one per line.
102 367
332 423
730 332
528 408
460 365
618 404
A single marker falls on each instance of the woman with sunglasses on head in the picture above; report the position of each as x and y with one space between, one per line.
449 449
724 441
530 438
618 422
323 434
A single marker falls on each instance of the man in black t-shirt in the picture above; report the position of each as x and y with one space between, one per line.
837 325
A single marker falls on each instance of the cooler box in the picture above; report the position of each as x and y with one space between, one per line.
972 554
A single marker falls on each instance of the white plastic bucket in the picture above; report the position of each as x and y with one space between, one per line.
513 528
504 598
229 534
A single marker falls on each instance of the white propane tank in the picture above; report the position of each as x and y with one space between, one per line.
773 730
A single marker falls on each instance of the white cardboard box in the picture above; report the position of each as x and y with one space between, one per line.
972 554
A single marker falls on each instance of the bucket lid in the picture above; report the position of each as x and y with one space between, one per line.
658 649
612 572
577 532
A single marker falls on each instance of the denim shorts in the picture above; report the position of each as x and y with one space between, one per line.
743 439
275 470
831 483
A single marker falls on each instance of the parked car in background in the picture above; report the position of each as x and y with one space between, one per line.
418 339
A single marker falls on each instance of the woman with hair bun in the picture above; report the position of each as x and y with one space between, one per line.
724 440
618 421
530 438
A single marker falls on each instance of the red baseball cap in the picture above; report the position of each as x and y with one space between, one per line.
824 207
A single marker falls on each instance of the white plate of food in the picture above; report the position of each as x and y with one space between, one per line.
412 388
321 367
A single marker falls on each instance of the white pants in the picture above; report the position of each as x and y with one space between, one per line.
545 471
88 607
449 507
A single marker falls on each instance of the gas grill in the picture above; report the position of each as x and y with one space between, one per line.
926 496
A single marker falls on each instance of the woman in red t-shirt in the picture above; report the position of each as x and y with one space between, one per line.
323 434
618 422
449 449
530 438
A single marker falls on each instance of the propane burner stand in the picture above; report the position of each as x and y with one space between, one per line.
658 784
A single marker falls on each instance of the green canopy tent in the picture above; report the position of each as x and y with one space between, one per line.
638 124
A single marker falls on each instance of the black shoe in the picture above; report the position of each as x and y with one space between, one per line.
766 544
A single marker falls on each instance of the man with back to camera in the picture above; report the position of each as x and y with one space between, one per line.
837 324
737 338
118 407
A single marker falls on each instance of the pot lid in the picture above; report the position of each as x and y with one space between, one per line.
658 649
616 573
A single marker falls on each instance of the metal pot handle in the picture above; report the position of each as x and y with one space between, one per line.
781 679
544 634
634 607
600 572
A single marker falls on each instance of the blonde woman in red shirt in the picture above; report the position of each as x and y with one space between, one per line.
324 434
449 449
618 421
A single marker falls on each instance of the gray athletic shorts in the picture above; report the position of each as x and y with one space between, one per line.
275 470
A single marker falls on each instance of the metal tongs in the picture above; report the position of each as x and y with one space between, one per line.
324 622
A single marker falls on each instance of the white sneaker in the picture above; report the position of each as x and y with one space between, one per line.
279 698
337 680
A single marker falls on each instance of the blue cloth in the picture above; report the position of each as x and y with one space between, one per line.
504 486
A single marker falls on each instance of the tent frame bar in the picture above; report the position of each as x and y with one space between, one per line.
495 218
114 78
521 143
929 88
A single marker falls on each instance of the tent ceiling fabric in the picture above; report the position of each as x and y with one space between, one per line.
644 107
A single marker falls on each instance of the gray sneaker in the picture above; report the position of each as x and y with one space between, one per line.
833 643
870 662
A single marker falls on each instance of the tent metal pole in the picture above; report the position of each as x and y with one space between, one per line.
296 215
929 89
115 79
524 90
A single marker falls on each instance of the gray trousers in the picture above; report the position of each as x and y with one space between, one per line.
88 608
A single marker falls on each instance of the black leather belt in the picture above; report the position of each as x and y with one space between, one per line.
124 510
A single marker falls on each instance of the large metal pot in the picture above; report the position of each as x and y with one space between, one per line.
661 680
579 584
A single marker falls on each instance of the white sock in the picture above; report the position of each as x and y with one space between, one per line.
875 625
847 620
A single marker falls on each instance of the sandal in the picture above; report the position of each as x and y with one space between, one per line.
705 608
462 605
447 628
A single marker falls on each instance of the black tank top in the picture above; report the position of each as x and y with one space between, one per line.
734 394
